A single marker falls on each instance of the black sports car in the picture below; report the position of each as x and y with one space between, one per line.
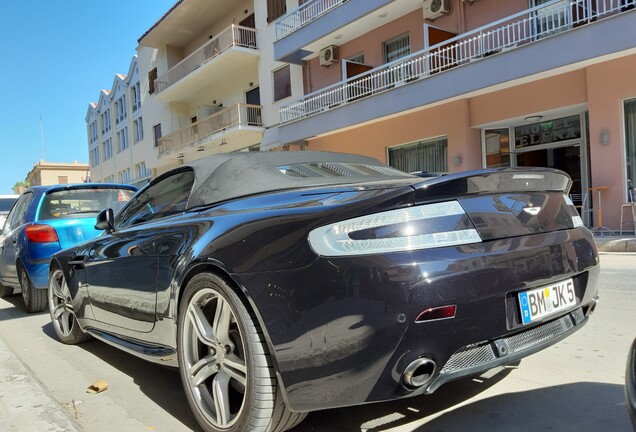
282 283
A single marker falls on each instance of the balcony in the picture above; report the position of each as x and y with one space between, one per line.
233 51
533 41
233 128
317 23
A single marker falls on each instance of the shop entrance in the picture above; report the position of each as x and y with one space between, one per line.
559 143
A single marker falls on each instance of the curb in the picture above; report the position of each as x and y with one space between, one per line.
613 244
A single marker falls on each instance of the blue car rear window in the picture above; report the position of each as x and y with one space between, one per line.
80 202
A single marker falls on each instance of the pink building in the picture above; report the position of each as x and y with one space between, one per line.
453 85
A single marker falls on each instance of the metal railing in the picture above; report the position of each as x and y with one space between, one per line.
231 37
200 132
518 29
304 15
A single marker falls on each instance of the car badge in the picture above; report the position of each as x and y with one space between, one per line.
532 210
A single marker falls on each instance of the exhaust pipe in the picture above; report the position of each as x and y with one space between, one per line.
419 373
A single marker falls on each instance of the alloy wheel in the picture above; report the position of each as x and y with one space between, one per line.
214 358
60 306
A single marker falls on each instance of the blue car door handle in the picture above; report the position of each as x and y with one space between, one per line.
77 261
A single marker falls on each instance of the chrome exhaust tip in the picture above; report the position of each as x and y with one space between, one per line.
419 373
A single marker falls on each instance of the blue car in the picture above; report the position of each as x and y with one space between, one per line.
45 220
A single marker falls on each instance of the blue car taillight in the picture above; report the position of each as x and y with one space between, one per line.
41 233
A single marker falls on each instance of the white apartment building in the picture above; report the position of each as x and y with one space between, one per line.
209 81
116 146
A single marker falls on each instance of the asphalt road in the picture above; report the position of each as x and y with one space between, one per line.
575 385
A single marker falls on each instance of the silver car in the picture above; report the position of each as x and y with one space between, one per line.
6 202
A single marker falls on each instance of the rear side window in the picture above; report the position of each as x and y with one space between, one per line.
16 217
80 202
337 169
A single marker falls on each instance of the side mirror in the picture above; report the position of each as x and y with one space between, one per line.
105 220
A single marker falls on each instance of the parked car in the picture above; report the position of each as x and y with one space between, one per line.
630 383
6 202
44 220
288 282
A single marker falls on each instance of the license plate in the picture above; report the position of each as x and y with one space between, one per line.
541 302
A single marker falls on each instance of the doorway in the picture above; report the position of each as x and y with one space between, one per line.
559 143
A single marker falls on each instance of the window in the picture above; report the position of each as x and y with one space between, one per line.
105 121
275 9
429 155
497 142
139 130
94 157
630 144
62 179
77 202
93 131
157 133
109 179
124 176
121 109
152 76
142 171
16 217
397 48
107 148
122 138
135 94
167 197
358 58
282 83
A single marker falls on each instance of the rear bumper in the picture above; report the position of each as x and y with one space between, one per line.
343 331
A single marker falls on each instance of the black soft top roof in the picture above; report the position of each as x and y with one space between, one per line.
225 176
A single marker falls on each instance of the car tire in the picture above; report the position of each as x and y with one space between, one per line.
224 362
6 291
63 318
34 299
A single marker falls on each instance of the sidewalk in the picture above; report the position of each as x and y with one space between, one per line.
25 405
617 243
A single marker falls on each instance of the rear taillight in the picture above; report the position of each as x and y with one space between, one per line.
41 233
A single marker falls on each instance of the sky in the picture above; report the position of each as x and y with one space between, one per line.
56 57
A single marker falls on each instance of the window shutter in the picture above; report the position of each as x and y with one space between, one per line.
152 76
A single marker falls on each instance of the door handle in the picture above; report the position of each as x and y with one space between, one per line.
78 261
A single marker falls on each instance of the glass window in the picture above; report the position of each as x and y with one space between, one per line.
167 197
630 144
497 143
397 48
16 217
157 133
423 156
78 202
282 83
547 132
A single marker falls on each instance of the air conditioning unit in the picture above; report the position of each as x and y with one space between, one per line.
328 55
434 8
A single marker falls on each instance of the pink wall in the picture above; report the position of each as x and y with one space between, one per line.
373 140
550 93
371 44
609 84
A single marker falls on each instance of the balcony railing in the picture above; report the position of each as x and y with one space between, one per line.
303 15
199 132
524 27
233 36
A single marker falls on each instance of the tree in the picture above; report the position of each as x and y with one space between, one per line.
20 186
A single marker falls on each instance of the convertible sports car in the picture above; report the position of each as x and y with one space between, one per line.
282 283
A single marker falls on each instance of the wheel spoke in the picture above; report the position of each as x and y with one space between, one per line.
202 370
201 325
65 322
220 391
57 289
59 310
235 368
222 320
